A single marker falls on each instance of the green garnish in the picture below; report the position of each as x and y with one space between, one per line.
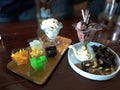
85 44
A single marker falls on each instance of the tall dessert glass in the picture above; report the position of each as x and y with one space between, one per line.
82 32
51 28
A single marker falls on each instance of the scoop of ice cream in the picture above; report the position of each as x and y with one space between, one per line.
51 27
51 24
80 26
83 53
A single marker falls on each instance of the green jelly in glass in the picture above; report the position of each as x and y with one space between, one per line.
38 63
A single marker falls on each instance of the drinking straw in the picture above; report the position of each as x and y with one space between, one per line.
112 7
83 15
87 19
87 16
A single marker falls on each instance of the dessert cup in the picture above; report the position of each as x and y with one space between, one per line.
37 54
51 28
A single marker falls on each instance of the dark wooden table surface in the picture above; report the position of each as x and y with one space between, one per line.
15 35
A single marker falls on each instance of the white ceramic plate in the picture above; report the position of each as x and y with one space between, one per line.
72 61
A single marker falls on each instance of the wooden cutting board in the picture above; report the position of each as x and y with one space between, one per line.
40 77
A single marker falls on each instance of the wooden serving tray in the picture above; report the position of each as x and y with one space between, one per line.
40 77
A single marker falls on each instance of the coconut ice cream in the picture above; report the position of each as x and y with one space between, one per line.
51 27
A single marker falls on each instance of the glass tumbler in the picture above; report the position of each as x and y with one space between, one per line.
106 17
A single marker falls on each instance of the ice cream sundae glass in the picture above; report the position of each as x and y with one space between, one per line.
51 27
82 32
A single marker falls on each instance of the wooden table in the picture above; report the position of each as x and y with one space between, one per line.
15 35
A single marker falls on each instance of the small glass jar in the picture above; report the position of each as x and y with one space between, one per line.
37 54
51 48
